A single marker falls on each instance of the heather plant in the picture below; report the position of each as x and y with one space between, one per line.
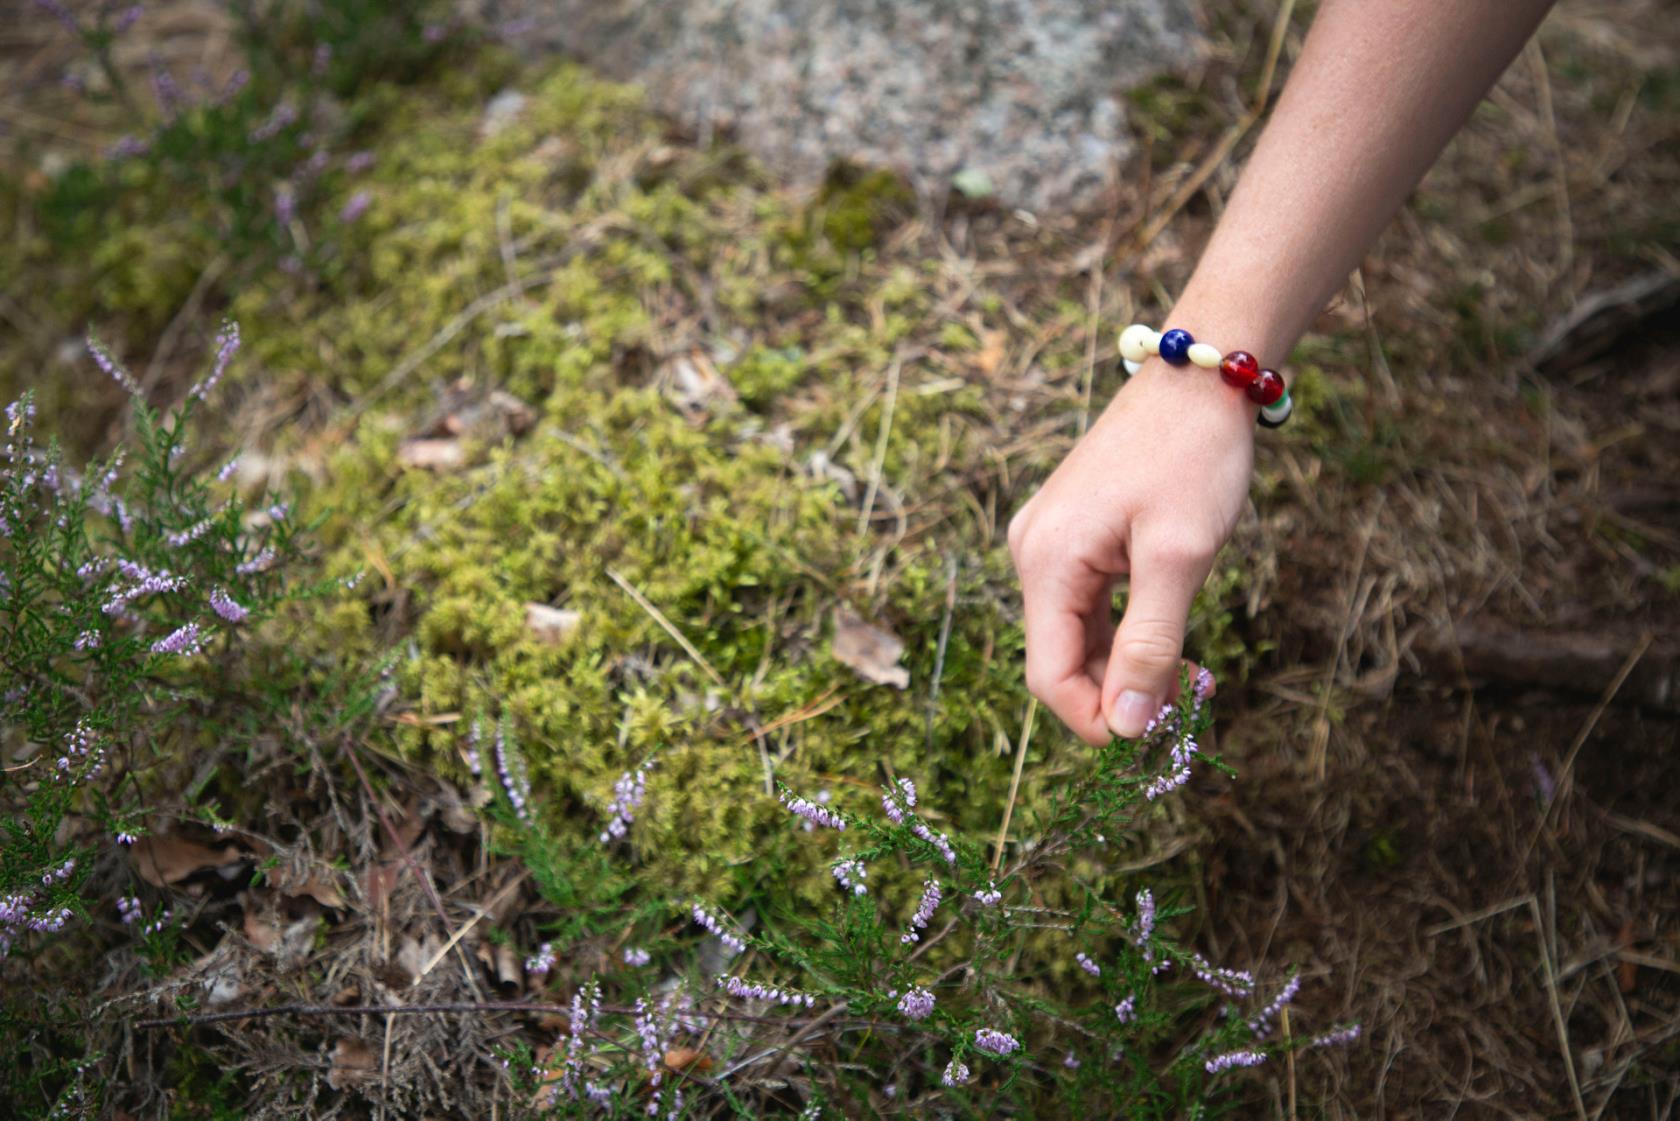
128 590
925 982
257 151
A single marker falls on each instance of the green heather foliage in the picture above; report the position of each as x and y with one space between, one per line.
129 592
929 972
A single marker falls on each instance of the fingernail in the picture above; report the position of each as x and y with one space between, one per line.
1131 712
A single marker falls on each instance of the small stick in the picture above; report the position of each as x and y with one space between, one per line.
670 628
944 640
1289 1057
1014 783
1557 1008
881 439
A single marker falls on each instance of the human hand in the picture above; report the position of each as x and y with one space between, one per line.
1151 492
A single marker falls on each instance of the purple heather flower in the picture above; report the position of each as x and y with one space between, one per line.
284 114
994 1042
358 162
474 736
1203 687
187 536
1183 750
586 1007
1231 982
355 207
917 1004
1262 1021
128 147
225 606
1145 920
753 990
162 921
236 82
813 813
183 640
1167 783
636 957
924 911
87 640
707 920
1234 1059
127 18
165 89
1338 1038
542 961
956 1073
227 345
259 563
1126 1010
1088 965
897 799
113 370
850 874
991 896
124 837
628 793
937 840
285 204
227 469
510 766
129 908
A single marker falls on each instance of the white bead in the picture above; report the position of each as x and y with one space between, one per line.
1205 355
1153 343
1132 367
1134 342
1278 411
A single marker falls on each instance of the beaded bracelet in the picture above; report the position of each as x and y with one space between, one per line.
1239 368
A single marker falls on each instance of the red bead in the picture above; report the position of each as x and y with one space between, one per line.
1266 388
1239 368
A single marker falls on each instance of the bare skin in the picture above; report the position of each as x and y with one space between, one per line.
1153 490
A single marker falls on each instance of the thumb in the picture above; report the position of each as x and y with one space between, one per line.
1143 666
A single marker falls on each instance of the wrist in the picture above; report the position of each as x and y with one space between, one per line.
1232 320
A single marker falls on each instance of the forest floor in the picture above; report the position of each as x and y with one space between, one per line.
1448 626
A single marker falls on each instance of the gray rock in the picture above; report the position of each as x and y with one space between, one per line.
1022 95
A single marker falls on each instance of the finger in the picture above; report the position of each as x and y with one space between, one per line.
1058 650
1143 667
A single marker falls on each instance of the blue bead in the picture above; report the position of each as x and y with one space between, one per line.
1175 346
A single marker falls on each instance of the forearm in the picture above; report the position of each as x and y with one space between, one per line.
1378 91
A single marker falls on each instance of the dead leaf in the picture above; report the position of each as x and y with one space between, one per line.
687 1058
259 931
353 1062
553 625
432 454
164 858
317 885
503 961
695 384
872 653
993 346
